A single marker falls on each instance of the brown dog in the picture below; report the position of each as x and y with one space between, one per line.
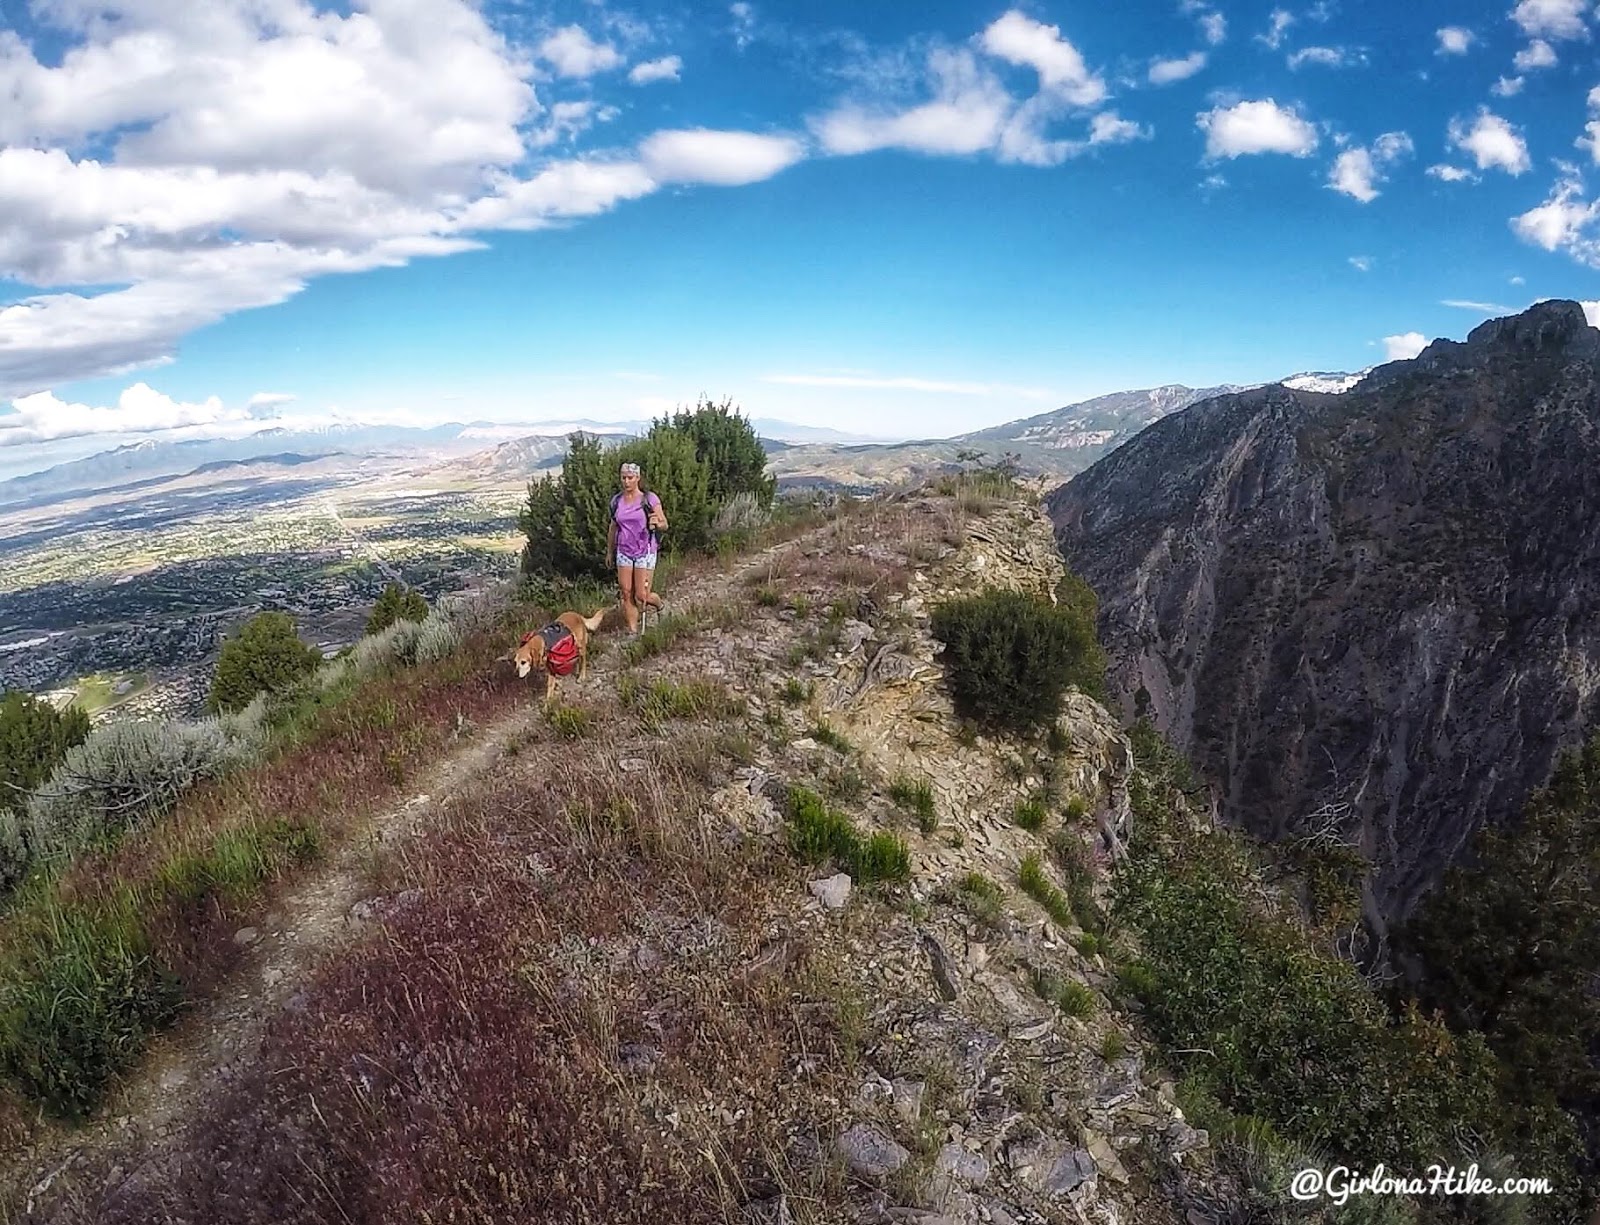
557 648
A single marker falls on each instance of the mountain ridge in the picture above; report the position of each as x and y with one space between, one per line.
1347 605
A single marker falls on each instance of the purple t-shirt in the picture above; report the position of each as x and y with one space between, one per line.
633 528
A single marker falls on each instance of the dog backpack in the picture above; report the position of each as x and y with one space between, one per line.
560 649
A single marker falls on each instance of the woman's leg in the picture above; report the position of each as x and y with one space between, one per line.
643 597
630 611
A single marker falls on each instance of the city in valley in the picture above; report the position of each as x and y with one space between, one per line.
119 598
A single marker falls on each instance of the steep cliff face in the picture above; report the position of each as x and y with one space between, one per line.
1381 607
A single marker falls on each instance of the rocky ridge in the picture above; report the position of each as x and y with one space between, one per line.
1371 615
971 1097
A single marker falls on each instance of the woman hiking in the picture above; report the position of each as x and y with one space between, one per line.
636 521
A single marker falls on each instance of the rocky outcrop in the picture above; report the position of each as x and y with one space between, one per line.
1379 610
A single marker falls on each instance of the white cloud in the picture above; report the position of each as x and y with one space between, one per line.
1480 308
1455 40
1537 54
1281 20
1563 222
1552 18
966 115
744 23
933 386
1507 87
565 120
1164 72
1214 28
574 54
1517 280
1450 174
1590 139
726 159
1256 127
266 400
1361 263
1107 128
242 148
1018 39
1591 312
1357 171
666 68
1492 142
44 418
1404 346
1327 57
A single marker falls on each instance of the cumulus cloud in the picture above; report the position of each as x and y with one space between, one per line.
1327 57
966 115
1164 72
573 53
1552 18
1020 39
1357 171
1361 263
1454 40
726 159
1564 222
971 111
1450 174
211 158
1213 25
666 68
1278 27
1404 346
1590 139
1537 54
1256 127
1107 128
1507 87
43 417
1491 142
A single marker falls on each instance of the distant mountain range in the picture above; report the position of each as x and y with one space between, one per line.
1057 444
527 446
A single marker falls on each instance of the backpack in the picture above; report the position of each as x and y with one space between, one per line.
651 502
560 648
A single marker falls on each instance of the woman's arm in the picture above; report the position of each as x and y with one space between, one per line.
661 513
611 541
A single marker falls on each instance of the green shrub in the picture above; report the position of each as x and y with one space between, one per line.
34 739
697 463
735 461
438 639
1029 814
1009 657
1326 1064
796 691
397 603
127 772
1113 1046
984 899
915 795
823 733
1031 876
570 722
817 832
264 656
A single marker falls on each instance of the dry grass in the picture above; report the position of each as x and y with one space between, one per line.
557 1027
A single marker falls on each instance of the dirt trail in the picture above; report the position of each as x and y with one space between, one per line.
308 922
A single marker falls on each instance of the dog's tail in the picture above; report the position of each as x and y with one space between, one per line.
593 623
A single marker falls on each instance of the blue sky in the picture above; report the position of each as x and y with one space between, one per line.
897 220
